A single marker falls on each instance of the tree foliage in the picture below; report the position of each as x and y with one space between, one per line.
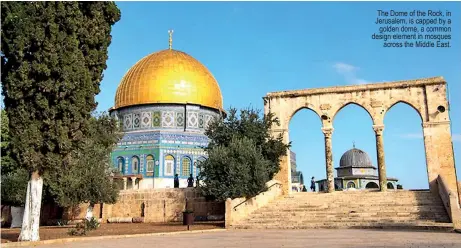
7 163
243 155
233 171
14 179
53 56
89 180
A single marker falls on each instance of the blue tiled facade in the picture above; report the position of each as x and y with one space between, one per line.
162 140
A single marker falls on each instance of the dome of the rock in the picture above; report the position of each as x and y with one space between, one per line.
171 77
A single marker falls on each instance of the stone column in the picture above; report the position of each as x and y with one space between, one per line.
133 182
329 158
380 153
284 175
124 183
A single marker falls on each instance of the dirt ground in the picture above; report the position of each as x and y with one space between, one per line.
11 235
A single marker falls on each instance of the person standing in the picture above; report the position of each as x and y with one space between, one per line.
313 184
176 181
190 181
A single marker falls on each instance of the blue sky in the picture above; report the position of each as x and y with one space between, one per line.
253 48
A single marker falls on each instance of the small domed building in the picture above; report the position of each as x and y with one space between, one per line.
356 171
164 104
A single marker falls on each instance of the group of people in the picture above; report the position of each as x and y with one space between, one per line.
312 186
190 181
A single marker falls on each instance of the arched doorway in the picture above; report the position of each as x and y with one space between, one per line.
390 186
350 185
372 185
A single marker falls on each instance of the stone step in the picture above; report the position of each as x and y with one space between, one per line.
374 207
395 209
339 214
447 227
276 219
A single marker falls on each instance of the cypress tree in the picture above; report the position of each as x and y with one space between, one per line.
53 56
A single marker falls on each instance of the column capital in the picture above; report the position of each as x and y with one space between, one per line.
133 178
378 129
125 179
327 131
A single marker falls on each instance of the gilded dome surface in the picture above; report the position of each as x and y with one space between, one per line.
356 158
169 76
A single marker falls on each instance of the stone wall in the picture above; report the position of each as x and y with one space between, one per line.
163 205
239 208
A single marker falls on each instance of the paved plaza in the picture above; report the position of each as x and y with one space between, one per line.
282 238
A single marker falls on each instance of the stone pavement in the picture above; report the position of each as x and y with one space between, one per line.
282 238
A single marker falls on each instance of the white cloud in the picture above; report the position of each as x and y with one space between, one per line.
349 73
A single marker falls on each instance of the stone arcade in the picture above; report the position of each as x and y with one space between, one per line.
427 96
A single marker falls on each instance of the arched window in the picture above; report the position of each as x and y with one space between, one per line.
186 167
169 164
121 165
135 165
350 185
149 163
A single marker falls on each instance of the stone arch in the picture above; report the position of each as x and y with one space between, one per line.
296 110
341 107
372 185
413 106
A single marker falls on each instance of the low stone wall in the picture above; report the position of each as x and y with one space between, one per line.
240 208
162 205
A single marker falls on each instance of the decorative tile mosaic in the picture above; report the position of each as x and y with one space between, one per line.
136 120
167 119
156 119
192 119
180 119
127 121
146 118
200 120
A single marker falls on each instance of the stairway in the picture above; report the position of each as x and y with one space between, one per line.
352 209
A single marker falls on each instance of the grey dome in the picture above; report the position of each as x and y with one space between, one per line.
356 158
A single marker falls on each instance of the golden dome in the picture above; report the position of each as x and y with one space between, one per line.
169 76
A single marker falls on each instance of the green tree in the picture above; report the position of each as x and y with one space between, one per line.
53 56
14 179
233 171
243 155
8 164
89 180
